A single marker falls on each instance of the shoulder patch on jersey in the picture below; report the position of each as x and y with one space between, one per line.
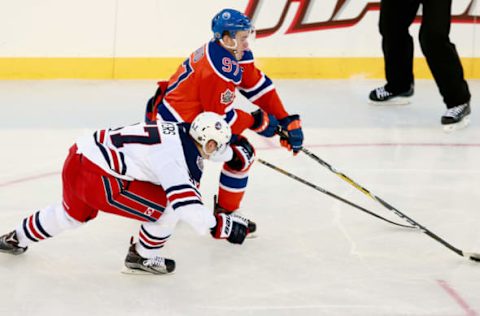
227 96
223 63
198 54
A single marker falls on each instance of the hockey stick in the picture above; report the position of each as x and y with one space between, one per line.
470 255
341 175
290 175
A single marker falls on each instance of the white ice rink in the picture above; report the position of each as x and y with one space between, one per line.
313 256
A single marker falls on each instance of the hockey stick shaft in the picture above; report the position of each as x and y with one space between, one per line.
472 256
290 175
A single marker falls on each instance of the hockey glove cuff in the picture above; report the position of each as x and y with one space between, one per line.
231 227
243 155
263 123
291 135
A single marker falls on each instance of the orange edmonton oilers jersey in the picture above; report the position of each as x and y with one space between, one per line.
207 81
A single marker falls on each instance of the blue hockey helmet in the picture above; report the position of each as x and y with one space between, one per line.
229 20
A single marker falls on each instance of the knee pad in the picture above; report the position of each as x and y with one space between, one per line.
57 218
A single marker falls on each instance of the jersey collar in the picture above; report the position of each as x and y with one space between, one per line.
223 63
192 155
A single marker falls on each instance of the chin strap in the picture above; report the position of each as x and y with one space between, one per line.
234 48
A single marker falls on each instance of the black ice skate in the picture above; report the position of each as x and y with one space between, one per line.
252 226
457 117
9 244
381 96
136 264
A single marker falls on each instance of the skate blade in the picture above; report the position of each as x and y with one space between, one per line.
129 271
252 236
457 126
394 101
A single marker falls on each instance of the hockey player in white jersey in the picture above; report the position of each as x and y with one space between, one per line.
147 172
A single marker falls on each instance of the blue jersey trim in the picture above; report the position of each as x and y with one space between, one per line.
217 56
192 155
229 116
166 115
247 56
251 94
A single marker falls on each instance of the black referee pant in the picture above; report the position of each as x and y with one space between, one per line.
396 16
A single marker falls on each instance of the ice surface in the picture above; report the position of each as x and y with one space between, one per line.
314 255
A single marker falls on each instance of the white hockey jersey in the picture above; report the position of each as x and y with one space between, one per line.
162 154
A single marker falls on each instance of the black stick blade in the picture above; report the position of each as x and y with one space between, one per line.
472 256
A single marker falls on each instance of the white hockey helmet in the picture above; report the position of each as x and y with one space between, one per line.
211 126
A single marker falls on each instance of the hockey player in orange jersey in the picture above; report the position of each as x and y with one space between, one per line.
207 81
